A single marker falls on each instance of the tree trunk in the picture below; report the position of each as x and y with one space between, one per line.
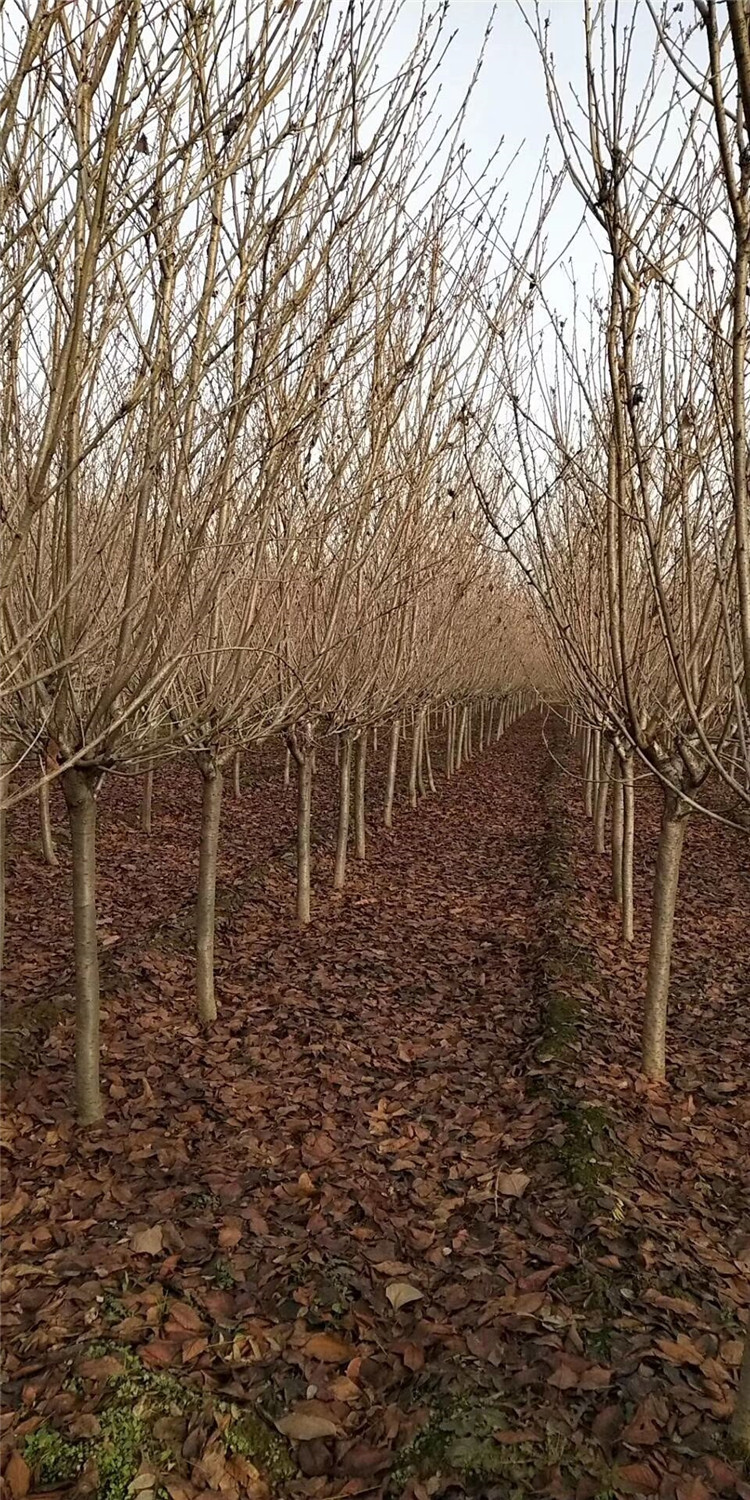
78 788
236 768
287 766
428 758
481 726
461 739
304 812
206 905
600 818
360 771
628 839
671 837
588 800
4 787
617 830
390 791
421 784
345 761
414 764
449 746
147 801
490 718
740 1428
45 821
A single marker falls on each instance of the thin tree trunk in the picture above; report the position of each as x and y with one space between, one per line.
375 739
342 841
390 791
481 727
671 837
617 830
206 905
236 768
490 719
336 748
428 759
449 746
287 766
78 788
588 772
147 801
4 788
740 1428
414 764
628 841
304 814
360 772
421 785
45 821
600 819
461 739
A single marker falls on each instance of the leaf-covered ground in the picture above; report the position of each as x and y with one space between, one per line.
406 1222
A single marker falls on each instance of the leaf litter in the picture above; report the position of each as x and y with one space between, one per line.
390 1228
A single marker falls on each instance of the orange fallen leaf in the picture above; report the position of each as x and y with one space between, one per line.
329 1348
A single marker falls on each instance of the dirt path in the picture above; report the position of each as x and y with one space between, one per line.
401 1191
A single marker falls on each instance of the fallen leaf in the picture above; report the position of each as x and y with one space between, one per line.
328 1348
400 1293
636 1479
148 1241
303 1426
18 1476
105 1368
512 1184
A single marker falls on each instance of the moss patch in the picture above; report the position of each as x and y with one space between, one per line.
251 1437
143 1417
585 1158
458 1440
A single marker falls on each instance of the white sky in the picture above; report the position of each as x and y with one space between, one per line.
509 102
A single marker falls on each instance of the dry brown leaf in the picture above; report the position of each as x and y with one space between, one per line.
401 1293
329 1348
100 1369
303 1426
511 1184
148 1241
18 1476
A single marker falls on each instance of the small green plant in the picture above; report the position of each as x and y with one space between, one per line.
221 1274
53 1458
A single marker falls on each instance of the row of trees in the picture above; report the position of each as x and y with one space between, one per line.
620 478
239 345
617 475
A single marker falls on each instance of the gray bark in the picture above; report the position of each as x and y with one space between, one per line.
390 791
342 840
671 838
206 904
78 789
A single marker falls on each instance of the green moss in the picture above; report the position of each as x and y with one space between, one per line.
53 1458
251 1437
458 1440
582 1152
559 1026
140 1418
